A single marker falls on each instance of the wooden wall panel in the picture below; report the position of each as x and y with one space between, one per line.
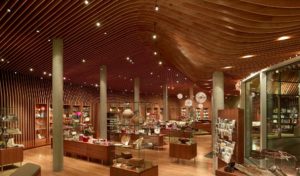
22 92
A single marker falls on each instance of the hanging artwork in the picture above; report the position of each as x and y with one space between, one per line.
179 96
201 97
188 103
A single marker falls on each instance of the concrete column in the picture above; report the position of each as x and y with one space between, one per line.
136 95
57 104
166 103
263 110
103 103
218 104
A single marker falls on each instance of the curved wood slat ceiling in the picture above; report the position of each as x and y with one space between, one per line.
195 38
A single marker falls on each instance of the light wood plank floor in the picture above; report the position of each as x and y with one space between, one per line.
167 166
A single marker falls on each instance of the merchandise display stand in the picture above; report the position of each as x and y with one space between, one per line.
230 143
11 155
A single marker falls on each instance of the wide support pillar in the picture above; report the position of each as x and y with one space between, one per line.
102 122
57 103
136 95
165 103
218 104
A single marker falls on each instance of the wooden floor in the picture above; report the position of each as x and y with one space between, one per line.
167 166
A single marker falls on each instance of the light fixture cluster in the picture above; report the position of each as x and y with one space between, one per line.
128 59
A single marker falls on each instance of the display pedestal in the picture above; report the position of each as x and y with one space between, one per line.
117 171
10 156
105 153
183 151
204 125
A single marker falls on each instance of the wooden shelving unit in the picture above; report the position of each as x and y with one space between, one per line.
41 124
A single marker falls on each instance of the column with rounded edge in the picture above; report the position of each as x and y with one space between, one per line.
218 103
103 103
191 92
136 95
57 103
165 103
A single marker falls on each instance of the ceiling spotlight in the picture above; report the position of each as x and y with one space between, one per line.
37 31
7 62
2 60
8 10
177 75
227 67
185 78
86 2
45 73
132 62
169 69
154 36
105 33
98 24
151 73
49 74
65 78
128 58
277 71
155 53
283 38
96 85
83 61
177 82
31 69
247 56
42 78
160 62
49 40
156 8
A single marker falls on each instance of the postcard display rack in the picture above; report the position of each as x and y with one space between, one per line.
230 140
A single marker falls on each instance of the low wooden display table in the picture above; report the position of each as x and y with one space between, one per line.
104 153
183 151
156 140
117 137
204 125
148 171
177 133
10 156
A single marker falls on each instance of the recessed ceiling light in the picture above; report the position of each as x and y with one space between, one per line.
86 2
8 10
283 38
65 78
277 71
98 24
227 67
132 62
49 74
31 69
177 81
49 40
151 73
185 78
160 62
2 60
177 75
169 69
16 73
45 73
37 31
247 56
128 58
7 62
154 36
42 78
83 61
155 53
105 33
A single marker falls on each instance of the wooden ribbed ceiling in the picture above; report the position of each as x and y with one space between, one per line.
194 39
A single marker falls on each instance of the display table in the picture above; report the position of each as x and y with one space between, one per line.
117 137
221 172
183 151
156 140
104 153
10 156
176 133
204 125
148 171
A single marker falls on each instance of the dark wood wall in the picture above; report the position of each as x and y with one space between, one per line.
22 92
